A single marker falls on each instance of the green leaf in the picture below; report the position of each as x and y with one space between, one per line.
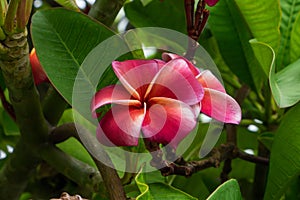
263 18
284 84
229 190
62 39
237 53
10 127
295 40
264 54
193 185
290 9
285 159
158 190
167 14
70 4
75 149
287 84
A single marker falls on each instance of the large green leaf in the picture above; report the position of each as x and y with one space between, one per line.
167 14
285 159
62 39
229 190
290 9
263 18
193 185
158 190
284 84
295 40
232 34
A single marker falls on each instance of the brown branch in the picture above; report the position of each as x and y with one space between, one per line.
183 168
109 175
226 152
252 158
231 130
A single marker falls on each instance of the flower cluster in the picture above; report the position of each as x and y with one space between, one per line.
162 99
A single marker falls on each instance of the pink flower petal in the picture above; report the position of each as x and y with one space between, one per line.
136 75
197 109
112 94
168 121
220 106
121 126
170 56
208 80
176 81
211 2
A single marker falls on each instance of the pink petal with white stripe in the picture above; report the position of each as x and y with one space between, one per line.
220 106
136 74
208 80
170 56
112 94
175 80
168 121
121 126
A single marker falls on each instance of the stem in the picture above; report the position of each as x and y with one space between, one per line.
9 23
23 14
105 11
261 172
195 25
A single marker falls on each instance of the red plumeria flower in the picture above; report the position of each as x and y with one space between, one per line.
211 2
160 99
38 72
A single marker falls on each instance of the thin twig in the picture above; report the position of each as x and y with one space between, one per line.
195 24
253 158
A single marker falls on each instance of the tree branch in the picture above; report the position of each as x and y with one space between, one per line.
231 131
253 158
77 171
109 175
181 167
25 101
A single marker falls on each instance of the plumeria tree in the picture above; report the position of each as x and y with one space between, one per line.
150 99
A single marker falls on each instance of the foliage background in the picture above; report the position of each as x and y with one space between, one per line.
256 46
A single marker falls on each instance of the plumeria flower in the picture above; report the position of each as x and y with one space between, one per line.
161 99
38 72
